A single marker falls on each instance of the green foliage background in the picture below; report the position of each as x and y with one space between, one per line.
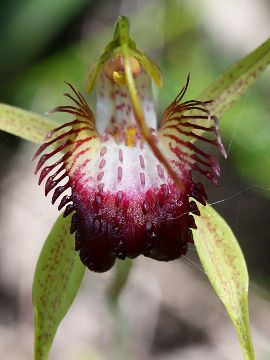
44 43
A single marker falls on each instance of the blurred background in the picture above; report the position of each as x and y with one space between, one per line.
168 310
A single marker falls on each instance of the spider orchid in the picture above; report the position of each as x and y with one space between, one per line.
132 190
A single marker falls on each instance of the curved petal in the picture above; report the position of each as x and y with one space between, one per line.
178 131
150 67
77 141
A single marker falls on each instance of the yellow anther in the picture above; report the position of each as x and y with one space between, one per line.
119 78
114 69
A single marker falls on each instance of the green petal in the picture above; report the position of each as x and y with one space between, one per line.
25 124
57 279
235 81
226 269
95 68
150 67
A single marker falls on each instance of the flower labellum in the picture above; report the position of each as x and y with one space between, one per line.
130 180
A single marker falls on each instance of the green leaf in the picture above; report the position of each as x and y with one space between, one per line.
57 279
235 81
25 124
226 269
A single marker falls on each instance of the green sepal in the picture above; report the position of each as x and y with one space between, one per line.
236 80
25 124
225 266
57 279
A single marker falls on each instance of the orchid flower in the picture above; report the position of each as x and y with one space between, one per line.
126 182
131 180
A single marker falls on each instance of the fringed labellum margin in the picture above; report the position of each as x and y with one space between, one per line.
124 200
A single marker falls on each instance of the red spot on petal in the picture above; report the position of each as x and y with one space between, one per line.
120 155
160 172
142 164
142 178
103 151
120 173
119 198
100 176
102 164
101 187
